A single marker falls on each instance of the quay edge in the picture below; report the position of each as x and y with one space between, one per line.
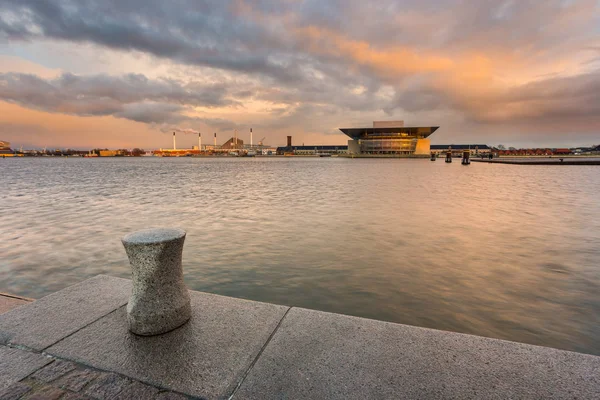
234 348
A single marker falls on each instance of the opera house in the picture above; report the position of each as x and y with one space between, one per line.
389 138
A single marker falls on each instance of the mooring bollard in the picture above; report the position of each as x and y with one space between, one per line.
160 301
466 157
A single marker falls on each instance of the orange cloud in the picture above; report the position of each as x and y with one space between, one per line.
390 62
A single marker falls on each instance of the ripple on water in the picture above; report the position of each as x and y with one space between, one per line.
496 250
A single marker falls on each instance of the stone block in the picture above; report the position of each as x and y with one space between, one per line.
14 391
107 386
206 357
16 364
137 390
318 355
76 380
53 371
76 396
46 393
170 396
8 303
160 301
46 321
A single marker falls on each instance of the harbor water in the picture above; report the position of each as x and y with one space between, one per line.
504 251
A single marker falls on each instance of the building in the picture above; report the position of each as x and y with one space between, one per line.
389 138
512 152
313 150
233 144
457 149
5 150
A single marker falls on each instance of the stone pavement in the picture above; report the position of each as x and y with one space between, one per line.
239 349
49 378
9 302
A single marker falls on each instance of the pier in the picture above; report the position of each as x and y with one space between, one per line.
76 341
538 161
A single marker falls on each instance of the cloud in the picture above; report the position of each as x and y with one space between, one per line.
317 65
131 96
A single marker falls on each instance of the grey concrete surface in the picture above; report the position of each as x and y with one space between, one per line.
16 364
206 357
160 301
46 321
317 355
255 350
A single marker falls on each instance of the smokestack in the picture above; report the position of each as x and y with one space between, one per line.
289 141
199 141
250 137
174 143
215 140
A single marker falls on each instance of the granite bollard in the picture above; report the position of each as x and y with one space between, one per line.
160 301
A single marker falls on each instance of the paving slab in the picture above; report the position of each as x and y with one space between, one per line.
46 321
318 355
14 391
8 302
207 357
53 371
16 364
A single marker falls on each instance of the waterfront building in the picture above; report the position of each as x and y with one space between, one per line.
233 144
547 152
5 150
476 150
389 138
314 150
5 147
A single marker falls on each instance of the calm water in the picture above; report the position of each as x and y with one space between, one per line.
505 251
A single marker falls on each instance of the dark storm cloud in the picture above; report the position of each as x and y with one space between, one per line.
193 32
131 96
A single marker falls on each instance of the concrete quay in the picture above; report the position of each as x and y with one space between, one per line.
239 349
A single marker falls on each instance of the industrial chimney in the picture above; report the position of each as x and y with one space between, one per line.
215 140
199 141
174 143
289 141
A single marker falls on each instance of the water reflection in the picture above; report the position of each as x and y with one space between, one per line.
496 250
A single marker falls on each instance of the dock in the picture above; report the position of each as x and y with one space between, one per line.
75 342
539 161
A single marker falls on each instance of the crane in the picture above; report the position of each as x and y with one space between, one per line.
260 142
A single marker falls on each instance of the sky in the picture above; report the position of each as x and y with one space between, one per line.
127 73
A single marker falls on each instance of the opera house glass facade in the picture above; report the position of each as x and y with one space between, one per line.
389 138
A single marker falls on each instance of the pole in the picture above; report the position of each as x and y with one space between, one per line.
250 137
235 130
174 143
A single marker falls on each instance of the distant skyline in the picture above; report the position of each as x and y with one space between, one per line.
124 74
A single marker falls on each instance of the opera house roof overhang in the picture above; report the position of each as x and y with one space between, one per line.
408 131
